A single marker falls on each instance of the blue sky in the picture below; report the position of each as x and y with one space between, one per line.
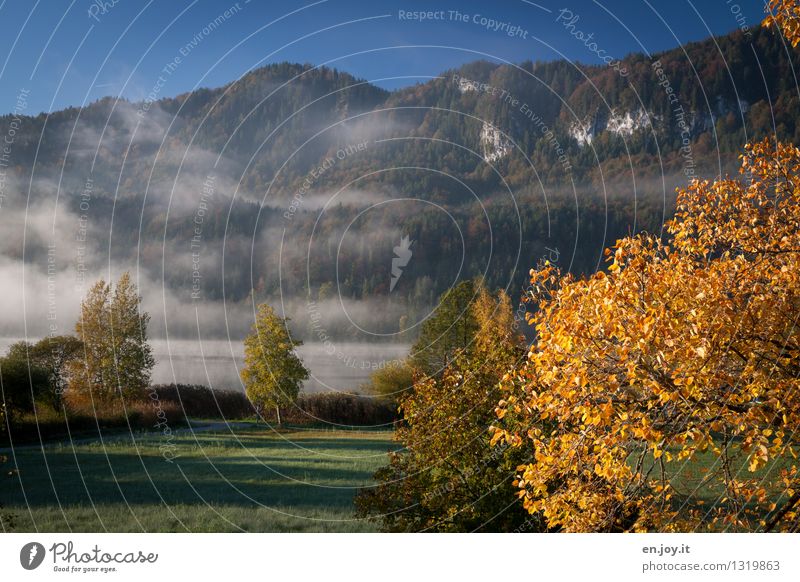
72 52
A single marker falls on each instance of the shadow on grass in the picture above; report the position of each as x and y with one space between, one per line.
255 472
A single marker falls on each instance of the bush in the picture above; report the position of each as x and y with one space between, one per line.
392 382
340 409
53 354
21 384
80 417
202 402
142 413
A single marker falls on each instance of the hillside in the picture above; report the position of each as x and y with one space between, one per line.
504 163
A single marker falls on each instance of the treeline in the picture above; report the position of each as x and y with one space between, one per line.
325 409
99 379
176 405
496 236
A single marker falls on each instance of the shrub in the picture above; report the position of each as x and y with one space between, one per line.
21 383
53 354
80 417
203 402
339 409
392 382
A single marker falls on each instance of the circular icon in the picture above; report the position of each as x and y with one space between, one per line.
31 555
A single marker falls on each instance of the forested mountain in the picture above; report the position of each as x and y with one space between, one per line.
487 169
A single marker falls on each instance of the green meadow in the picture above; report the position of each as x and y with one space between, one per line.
242 478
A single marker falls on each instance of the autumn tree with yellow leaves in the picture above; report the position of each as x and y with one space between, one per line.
116 358
683 357
273 372
785 16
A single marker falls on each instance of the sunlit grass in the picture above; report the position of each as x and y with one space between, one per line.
697 484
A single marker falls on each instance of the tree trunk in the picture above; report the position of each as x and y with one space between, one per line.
278 411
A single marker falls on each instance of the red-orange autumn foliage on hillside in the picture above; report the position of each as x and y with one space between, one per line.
664 394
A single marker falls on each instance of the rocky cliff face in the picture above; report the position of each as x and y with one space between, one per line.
627 123
623 124
493 143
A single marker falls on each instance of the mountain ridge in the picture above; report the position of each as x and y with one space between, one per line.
524 159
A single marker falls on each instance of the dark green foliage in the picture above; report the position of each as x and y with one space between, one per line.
22 382
449 330
310 409
448 477
52 354
7 520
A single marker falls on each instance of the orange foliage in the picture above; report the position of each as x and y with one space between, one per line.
785 15
684 355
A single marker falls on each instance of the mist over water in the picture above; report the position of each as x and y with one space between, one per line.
333 367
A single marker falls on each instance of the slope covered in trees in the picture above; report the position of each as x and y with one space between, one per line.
526 161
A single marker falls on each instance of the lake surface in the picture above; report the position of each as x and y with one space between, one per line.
333 367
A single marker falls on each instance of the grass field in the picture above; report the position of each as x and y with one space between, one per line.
250 479
693 490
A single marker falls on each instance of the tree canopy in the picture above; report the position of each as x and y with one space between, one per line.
272 373
448 477
22 382
52 354
450 329
117 358
685 350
